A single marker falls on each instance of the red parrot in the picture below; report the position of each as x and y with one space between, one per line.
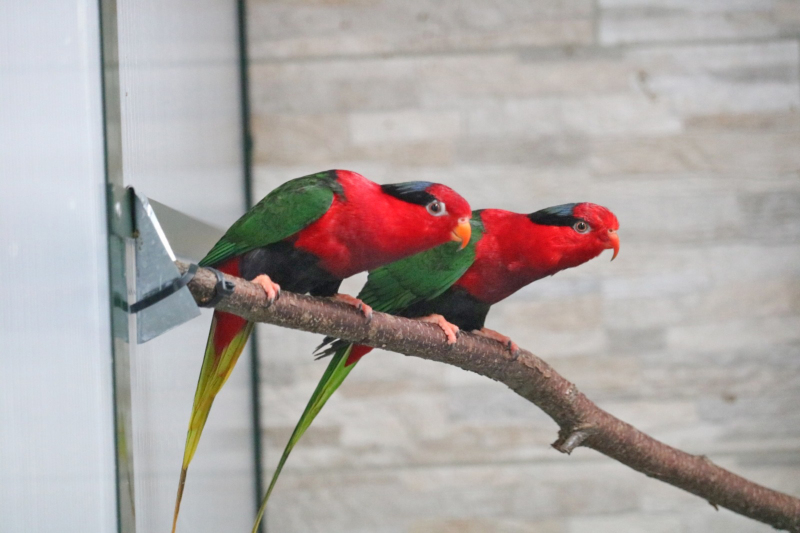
516 250
456 289
306 236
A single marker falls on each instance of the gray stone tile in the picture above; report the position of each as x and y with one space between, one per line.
545 152
483 525
332 87
707 79
622 341
720 376
300 139
468 80
616 115
787 13
624 523
378 501
637 21
729 152
761 121
746 334
723 521
403 127
285 30
636 27
767 416
772 217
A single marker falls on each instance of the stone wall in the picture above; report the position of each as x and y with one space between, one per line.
679 115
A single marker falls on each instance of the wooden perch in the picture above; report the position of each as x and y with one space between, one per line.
582 423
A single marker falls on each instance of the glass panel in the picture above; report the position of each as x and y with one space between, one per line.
181 140
56 408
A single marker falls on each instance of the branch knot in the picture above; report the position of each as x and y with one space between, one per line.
569 439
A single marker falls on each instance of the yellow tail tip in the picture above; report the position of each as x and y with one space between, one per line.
178 499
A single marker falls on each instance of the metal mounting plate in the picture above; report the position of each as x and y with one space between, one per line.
155 269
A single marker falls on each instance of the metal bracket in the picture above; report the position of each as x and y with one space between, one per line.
162 299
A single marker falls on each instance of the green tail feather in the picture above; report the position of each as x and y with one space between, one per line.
333 377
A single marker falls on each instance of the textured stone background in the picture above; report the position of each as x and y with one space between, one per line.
682 117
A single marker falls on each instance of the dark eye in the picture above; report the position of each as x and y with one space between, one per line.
581 227
436 208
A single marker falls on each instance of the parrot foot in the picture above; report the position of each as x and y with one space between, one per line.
272 289
365 309
450 330
499 337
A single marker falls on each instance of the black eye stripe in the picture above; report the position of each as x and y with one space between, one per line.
413 192
554 220
559 215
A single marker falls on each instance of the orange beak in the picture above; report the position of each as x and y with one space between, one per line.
613 243
462 233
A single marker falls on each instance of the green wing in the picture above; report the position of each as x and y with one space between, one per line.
389 289
424 276
282 213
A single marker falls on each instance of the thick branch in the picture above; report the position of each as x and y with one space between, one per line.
582 423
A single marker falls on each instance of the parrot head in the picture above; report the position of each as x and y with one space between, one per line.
581 231
443 213
597 227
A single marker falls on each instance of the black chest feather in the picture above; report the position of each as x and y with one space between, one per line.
456 305
294 270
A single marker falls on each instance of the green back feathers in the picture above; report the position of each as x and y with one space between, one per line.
282 213
424 276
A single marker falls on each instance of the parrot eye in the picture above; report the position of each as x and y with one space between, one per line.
436 208
581 227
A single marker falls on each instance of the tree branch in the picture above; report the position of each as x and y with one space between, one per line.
582 423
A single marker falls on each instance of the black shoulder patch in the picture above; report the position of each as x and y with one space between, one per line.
558 215
412 192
